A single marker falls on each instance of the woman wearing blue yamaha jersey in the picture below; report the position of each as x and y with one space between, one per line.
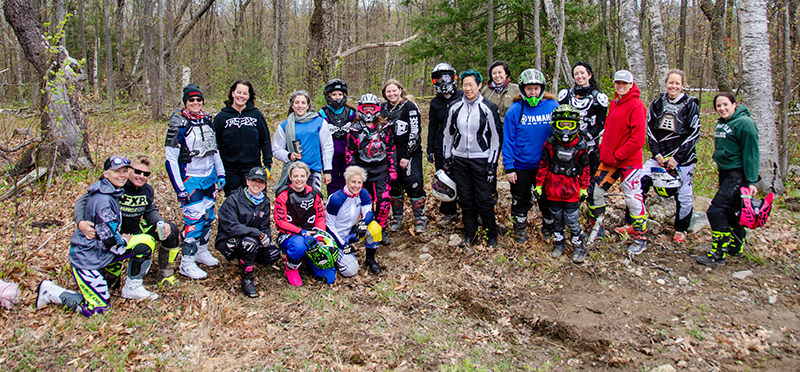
525 130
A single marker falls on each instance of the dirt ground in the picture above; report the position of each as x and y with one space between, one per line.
434 307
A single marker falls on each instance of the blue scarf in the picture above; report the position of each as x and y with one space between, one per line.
255 199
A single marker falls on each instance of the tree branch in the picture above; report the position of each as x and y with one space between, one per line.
383 44
188 27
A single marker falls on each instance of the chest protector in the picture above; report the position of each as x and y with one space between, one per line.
339 123
371 149
300 209
205 141
564 160
671 119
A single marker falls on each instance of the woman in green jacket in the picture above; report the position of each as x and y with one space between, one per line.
736 155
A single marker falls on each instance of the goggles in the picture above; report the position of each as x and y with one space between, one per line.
444 79
369 108
566 124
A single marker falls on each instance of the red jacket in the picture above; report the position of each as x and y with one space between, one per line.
561 187
625 131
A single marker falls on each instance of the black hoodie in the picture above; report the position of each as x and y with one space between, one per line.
241 137
440 108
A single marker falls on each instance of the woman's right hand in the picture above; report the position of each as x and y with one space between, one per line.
660 160
512 177
295 156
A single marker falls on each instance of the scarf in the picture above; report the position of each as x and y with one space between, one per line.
198 116
255 199
290 122
499 88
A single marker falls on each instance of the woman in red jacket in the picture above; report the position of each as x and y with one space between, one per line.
621 158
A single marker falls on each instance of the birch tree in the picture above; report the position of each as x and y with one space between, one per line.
757 78
553 22
633 44
562 24
657 41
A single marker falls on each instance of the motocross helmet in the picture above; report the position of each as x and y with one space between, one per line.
333 85
444 78
531 76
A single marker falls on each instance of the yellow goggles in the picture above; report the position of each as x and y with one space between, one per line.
566 124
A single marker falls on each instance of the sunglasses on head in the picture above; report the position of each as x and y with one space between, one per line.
118 161
194 100
145 173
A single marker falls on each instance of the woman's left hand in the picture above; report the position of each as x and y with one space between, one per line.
671 163
403 163
326 178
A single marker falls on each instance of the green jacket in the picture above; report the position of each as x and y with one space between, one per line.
736 144
504 99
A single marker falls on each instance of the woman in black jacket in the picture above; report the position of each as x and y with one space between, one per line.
242 136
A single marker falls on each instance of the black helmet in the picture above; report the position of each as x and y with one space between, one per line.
444 78
565 123
333 85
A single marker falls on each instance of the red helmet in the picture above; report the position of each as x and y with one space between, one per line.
755 212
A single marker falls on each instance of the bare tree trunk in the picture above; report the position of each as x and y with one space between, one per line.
316 61
787 90
59 15
95 72
537 8
682 35
552 20
119 20
64 144
109 52
559 43
657 41
490 35
279 46
633 44
607 40
757 77
151 61
162 68
715 14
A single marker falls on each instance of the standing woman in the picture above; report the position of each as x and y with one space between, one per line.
339 116
242 136
673 128
304 136
196 172
500 90
593 106
737 157
526 128
403 116
472 139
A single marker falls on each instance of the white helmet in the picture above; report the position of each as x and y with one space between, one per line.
666 181
444 189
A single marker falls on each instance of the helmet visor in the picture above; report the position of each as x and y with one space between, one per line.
443 79
442 188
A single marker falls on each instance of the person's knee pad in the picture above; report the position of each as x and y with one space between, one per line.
347 265
146 240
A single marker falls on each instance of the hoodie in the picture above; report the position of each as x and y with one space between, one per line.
736 144
625 131
103 210
242 137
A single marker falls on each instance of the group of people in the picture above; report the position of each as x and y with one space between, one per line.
559 151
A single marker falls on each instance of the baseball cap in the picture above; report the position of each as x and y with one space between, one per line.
624 76
257 173
116 162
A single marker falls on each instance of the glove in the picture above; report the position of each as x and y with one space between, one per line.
448 163
305 233
183 196
120 249
361 230
537 192
431 159
249 246
269 173
265 240
584 195
220 182
351 238
492 173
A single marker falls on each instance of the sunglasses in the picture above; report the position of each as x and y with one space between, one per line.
118 161
564 124
194 100
145 173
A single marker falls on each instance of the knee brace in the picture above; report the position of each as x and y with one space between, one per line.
142 239
597 201
375 231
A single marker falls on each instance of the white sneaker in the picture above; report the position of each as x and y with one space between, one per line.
134 290
190 269
204 256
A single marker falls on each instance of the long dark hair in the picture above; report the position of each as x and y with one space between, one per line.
588 67
232 89
726 95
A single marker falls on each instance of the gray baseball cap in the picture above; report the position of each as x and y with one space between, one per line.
624 76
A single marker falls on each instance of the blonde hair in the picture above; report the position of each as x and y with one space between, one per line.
355 170
299 165
676 72
142 159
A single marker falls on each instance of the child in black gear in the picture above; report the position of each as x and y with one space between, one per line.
564 178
